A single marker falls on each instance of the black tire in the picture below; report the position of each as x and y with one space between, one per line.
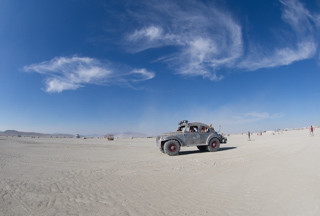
161 149
214 145
203 148
171 147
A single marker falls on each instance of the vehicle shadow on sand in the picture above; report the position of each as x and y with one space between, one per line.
200 152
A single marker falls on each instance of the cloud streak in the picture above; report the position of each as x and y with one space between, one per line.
63 73
204 38
207 39
280 57
304 47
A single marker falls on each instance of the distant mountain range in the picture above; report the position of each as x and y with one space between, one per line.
35 134
30 134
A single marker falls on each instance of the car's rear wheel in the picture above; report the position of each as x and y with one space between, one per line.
202 148
171 147
214 145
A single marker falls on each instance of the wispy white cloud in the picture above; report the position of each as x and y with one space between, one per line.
303 46
203 36
207 38
150 33
141 75
296 15
63 73
279 57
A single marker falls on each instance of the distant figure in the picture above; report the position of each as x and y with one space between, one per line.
311 131
249 135
193 129
210 125
204 129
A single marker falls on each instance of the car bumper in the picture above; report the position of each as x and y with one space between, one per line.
158 143
224 140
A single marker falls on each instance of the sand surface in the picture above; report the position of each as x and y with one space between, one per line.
269 175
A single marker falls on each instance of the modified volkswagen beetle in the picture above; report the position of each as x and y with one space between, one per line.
190 134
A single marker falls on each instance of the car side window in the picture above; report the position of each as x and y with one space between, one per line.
204 129
193 129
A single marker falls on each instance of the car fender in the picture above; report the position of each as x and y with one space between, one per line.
211 137
165 139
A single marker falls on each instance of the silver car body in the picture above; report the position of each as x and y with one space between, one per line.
192 134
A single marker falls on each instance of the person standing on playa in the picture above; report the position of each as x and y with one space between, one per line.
311 131
249 135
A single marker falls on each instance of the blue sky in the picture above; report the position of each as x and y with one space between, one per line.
95 67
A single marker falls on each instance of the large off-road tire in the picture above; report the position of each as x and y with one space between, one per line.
203 148
214 145
161 149
171 147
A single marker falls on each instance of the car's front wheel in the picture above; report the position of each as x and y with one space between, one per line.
171 147
214 145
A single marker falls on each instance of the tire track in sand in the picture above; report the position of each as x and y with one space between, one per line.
6 200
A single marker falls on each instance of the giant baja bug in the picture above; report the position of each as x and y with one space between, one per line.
190 134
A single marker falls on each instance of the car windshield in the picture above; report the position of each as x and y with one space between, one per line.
192 129
181 128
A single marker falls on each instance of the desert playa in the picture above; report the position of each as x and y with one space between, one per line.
273 174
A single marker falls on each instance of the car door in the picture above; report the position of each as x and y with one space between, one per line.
204 133
192 135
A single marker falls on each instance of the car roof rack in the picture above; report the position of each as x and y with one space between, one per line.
183 122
